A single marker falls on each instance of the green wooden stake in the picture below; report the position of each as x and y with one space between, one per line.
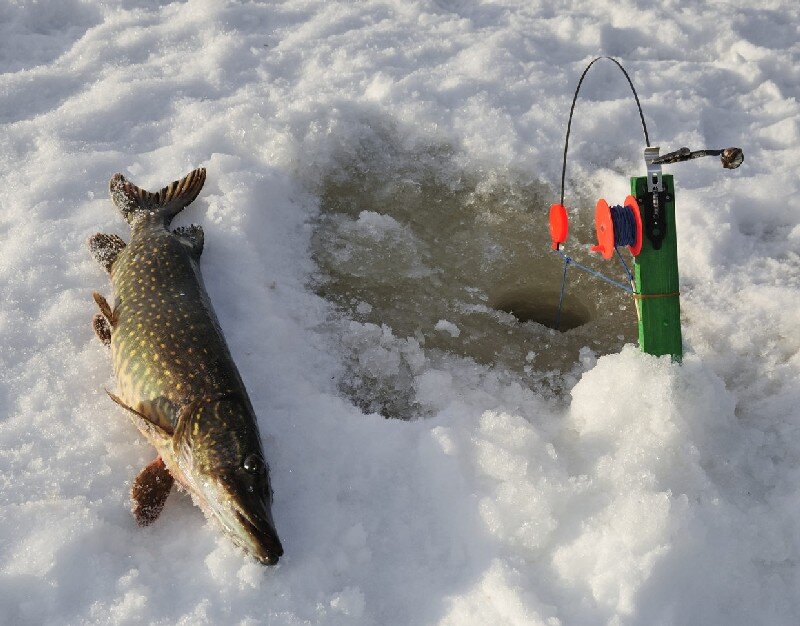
656 274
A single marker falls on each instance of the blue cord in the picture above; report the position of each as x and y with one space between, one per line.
624 264
624 225
567 261
589 270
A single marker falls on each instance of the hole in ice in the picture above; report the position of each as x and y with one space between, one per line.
429 263
528 305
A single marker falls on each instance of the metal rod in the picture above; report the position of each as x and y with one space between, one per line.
731 157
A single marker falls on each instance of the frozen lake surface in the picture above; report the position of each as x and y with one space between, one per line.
378 180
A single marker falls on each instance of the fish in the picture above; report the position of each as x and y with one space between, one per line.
175 374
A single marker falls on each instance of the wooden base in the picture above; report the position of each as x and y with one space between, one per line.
656 275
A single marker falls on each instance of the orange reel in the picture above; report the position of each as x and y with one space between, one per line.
636 247
604 227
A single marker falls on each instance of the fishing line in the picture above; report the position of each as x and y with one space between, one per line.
572 110
622 218
625 266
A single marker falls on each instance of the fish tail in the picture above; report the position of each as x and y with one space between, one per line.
134 202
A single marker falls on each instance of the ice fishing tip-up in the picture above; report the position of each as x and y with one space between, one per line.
645 223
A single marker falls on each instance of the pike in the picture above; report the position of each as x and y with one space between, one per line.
175 374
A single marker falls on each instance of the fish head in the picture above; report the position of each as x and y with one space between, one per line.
222 459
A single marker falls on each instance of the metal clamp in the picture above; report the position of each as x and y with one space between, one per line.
654 182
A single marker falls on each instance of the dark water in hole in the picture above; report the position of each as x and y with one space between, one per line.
538 307
432 259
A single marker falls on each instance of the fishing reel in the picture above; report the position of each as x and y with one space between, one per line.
627 224
615 227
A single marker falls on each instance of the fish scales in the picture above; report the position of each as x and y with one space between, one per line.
175 373
167 342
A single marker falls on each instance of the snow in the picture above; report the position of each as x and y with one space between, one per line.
448 327
603 486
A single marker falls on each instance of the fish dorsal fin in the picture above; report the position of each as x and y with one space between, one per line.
192 236
134 201
155 424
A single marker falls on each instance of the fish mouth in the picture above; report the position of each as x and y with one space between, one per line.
258 538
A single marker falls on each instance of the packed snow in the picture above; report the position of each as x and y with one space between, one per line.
602 486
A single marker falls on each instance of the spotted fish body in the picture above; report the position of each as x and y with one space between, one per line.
175 373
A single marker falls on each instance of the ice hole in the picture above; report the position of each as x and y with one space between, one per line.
428 261
541 307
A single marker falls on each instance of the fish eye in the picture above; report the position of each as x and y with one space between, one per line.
253 464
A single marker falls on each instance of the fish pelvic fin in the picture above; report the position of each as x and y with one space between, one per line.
135 202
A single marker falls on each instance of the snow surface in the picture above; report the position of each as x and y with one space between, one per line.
653 493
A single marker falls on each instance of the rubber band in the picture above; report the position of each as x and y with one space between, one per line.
647 296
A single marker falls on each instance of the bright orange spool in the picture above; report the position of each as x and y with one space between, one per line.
631 202
604 228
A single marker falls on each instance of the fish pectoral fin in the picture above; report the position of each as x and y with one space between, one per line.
150 491
105 249
192 236
153 424
105 309
102 329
